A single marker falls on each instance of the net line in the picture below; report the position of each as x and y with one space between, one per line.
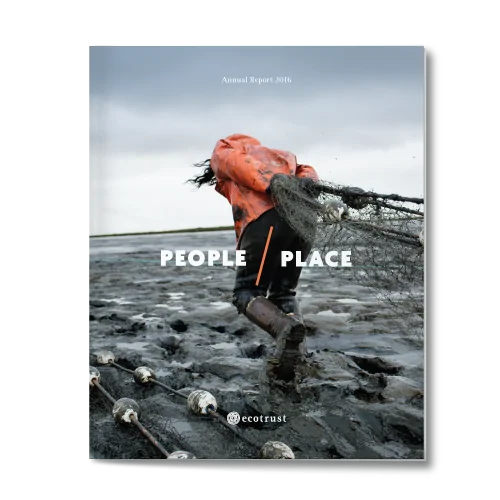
384 232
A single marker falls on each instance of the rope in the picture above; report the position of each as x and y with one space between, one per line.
150 437
217 416
232 428
370 194
173 391
134 420
110 398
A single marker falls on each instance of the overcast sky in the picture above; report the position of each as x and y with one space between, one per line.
154 111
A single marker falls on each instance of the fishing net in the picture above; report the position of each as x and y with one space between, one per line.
385 234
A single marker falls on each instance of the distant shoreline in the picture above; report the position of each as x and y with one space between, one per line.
189 230
172 231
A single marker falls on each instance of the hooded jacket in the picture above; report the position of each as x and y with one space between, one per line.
243 169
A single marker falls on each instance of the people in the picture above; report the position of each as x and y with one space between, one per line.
242 170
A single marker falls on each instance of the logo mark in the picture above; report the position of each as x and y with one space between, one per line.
233 418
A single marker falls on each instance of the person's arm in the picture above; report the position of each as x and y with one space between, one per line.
231 161
306 171
307 179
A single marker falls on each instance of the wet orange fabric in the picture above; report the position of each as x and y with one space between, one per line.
244 168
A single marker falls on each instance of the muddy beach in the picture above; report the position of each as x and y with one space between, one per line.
360 395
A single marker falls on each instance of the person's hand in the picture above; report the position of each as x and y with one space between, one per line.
275 179
352 199
334 210
310 187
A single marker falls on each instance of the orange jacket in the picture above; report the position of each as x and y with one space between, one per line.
243 169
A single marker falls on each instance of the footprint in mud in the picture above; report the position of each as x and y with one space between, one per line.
255 351
179 326
368 396
171 344
375 365
220 329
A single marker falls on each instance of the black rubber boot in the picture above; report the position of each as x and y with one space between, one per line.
284 299
288 332
287 303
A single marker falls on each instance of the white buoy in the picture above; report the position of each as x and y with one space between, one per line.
143 375
334 210
200 401
181 455
105 357
124 409
276 450
94 375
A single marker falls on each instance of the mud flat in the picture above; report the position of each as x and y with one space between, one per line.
360 396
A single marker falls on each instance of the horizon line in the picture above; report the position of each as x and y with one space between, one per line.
168 231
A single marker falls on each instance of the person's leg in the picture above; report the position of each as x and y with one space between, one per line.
282 290
253 242
250 298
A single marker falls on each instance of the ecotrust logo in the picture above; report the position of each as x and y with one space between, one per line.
234 418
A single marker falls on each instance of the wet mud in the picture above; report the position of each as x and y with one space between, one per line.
360 395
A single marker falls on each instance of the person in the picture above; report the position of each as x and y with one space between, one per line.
243 170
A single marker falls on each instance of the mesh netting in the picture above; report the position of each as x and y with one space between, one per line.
166 417
383 232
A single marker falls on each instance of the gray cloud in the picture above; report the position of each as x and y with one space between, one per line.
157 76
149 103
133 129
